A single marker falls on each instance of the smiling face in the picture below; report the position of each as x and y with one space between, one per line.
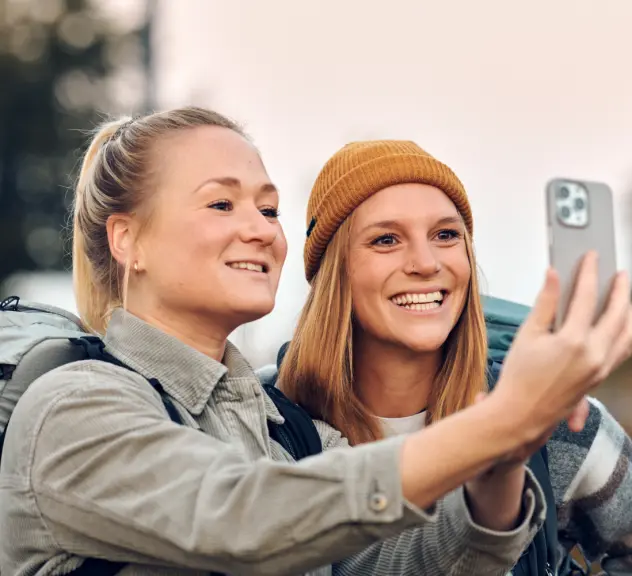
214 247
408 267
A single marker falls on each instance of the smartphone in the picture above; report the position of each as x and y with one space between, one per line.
580 218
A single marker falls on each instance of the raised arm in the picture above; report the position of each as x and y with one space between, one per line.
111 476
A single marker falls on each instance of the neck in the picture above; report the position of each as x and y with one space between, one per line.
393 381
193 329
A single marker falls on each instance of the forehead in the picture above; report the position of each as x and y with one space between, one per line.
192 155
420 203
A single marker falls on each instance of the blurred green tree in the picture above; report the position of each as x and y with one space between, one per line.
64 65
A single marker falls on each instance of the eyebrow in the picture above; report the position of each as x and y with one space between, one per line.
230 182
397 224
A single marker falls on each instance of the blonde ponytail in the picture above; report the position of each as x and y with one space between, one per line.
112 180
93 302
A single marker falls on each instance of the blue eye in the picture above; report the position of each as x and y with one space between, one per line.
448 235
385 240
223 205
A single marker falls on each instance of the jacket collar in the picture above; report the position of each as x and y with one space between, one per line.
185 373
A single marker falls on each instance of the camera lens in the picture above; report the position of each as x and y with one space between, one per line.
565 212
564 192
579 204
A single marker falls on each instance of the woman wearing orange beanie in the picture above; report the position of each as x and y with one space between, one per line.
392 338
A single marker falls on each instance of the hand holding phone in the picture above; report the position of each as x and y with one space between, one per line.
548 373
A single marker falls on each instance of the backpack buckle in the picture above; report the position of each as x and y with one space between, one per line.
10 303
93 345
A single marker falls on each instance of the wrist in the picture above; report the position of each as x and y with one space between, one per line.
502 424
515 419
495 499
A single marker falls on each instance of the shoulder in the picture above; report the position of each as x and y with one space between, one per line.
83 378
72 396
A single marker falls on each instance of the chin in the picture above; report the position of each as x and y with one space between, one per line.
422 347
423 342
251 311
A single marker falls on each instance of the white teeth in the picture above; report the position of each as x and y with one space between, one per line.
246 266
411 301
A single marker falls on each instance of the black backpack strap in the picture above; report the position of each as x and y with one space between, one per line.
550 525
297 434
98 567
545 543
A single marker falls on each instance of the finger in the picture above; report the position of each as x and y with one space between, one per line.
612 322
583 304
542 314
577 419
622 348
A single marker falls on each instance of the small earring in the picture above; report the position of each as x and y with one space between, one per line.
135 266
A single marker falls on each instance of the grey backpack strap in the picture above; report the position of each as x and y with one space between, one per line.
42 358
33 340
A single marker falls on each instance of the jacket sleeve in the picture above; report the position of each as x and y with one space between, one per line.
453 544
113 477
591 474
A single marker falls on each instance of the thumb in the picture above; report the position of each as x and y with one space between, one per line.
542 314
578 417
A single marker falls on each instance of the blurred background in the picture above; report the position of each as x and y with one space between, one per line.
509 94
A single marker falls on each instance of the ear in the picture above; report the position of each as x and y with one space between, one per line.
121 238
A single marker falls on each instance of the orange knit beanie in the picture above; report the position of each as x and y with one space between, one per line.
359 170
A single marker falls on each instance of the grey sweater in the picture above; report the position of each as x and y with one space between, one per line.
93 466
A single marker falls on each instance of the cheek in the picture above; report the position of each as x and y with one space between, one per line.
191 244
280 247
462 271
459 265
366 294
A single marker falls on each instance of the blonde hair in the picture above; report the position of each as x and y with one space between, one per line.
115 179
317 370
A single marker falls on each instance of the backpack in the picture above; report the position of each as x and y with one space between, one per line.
36 338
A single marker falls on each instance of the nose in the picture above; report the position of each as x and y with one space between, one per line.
255 227
422 259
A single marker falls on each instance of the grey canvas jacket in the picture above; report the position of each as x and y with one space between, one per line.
93 467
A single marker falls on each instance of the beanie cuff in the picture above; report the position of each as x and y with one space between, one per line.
368 178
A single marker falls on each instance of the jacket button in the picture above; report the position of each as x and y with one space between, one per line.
378 502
